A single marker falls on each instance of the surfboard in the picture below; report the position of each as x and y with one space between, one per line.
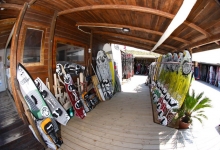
34 100
108 50
159 59
58 112
71 91
97 87
184 77
104 74
117 80
32 96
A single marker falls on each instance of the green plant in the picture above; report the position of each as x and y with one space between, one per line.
193 107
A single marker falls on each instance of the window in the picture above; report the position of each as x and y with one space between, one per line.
70 53
33 45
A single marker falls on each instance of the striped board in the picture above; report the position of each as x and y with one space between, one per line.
58 112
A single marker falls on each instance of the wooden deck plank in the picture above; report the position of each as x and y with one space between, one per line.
126 122
119 137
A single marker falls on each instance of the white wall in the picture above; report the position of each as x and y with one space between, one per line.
117 58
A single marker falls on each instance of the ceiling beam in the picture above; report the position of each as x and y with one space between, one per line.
32 2
131 37
132 8
7 21
119 7
211 46
132 28
132 44
211 39
11 6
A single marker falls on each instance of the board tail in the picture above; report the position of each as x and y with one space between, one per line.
48 128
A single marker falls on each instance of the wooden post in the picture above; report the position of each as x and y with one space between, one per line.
90 54
13 60
50 51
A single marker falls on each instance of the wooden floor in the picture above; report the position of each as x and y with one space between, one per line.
14 134
125 122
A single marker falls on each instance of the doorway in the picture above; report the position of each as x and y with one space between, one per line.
2 72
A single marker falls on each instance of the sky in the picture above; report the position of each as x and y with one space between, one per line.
211 56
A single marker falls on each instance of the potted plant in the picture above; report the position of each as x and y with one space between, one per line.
192 107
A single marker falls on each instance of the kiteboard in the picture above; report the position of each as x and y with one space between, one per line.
49 133
32 96
58 112
34 100
104 74
108 50
71 91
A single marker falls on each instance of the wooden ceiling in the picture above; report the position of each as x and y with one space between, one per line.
146 19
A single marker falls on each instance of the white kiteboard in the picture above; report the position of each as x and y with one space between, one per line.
104 74
33 98
58 112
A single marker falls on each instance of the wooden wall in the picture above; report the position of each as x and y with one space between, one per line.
67 32
6 26
40 18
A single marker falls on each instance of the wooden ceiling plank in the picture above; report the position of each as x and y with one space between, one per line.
131 37
211 39
7 21
132 8
130 27
11 6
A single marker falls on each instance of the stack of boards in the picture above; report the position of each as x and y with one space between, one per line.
82 102
171 77
44 107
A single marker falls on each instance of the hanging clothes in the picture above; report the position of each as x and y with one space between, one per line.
218 76
211 75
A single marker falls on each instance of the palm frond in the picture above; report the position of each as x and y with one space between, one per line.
199 96
200 120
193 106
